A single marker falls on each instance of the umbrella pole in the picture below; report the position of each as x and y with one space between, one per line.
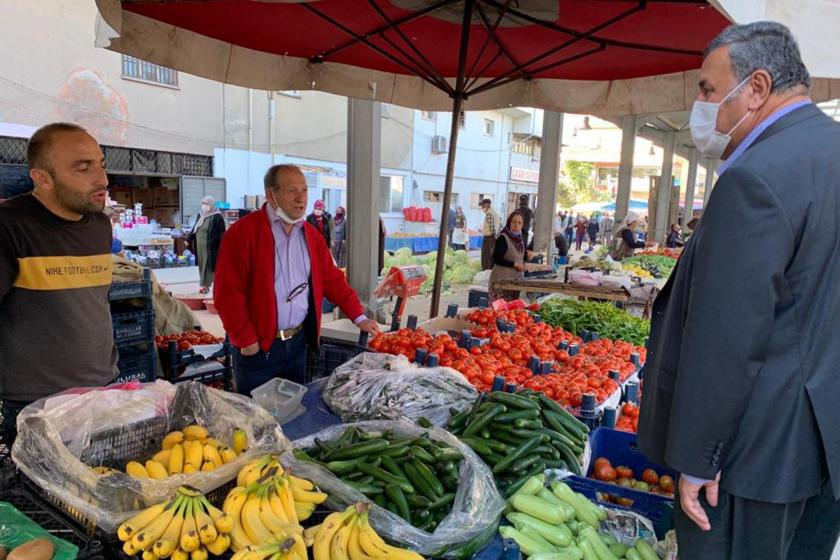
457 105
447 201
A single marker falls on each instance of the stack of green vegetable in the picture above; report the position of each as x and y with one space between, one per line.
658 265
414 478
563 525
520 435
458 268
603 318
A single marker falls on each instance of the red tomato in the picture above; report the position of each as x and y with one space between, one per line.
650 476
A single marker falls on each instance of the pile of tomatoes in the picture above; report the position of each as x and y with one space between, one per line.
187 340
650 481
507 355
629 419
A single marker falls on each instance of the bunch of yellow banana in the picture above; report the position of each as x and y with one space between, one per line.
347 535
268 505
280 550
186 527
187 451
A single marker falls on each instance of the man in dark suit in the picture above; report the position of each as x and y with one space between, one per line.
743 371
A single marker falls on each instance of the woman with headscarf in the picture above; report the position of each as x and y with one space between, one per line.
580 231
323 222
624 242
675 237
339 250
460 237
509 255
206 237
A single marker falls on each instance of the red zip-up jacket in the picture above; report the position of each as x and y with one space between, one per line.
244 288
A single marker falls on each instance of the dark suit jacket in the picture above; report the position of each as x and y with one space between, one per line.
743 371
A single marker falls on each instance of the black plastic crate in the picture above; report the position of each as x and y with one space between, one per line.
53 521
477 297
133 326
328 357
137 363
221 378
132 290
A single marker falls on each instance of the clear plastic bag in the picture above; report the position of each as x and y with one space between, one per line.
477 506
61 437
380 386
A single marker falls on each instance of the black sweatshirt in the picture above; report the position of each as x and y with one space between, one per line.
55 320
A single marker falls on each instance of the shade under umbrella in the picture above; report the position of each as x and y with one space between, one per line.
609 57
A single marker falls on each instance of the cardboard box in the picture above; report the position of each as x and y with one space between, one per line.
144 196
164 216
165 197
122 196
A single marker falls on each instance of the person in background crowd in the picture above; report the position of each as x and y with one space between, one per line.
339 249
382 234
580 231
606 227
560 242
509 256
460 237
321 220
273 272
489 231
206 238
55 329
116 244
675 238
527 215
692 224
569 228
741 379
624 243
450 226
592 231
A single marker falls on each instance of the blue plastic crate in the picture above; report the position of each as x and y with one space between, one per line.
475 296
660 511
136 363
133 326
132 290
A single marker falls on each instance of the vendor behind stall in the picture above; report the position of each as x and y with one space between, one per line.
624 243
508 257
206 237
55 271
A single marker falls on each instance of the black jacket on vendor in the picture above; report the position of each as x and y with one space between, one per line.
743 369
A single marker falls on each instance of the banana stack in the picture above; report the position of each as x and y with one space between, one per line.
187 451
267 506
187 527
348 535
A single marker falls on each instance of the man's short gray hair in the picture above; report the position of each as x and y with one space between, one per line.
270 179
763 45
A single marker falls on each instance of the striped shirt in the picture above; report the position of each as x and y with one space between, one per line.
291 272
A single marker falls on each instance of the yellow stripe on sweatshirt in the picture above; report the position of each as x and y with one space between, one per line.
64 273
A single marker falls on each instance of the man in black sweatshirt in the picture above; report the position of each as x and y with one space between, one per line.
55 270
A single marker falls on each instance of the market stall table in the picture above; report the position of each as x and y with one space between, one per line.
319 416
557 286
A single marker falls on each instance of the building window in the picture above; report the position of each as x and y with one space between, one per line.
432 196
523 147
476 198
427 115
462 120
137 69
290 93
391 193
489 127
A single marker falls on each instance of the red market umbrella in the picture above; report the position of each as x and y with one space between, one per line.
609 57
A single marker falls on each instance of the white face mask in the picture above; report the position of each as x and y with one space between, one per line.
703 124
319 212
282 215
205 208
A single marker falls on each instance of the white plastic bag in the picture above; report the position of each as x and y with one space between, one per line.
61 437
475 511
381 386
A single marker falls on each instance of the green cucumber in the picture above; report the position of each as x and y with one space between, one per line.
420 453
538 508
526 424
386 477
632 554
532 485
569 458
419 481
515 485
302 455
444 500
478 445
450 483
366 489
343 467
357 450
568 553
427 474
447 454
587 550
582 510
568 511
512 416
458 420
416 501
517 454
618 550
557 535
645 551
513 401
425 423
527 545
395 494
392 467
601 550
484 418
525 463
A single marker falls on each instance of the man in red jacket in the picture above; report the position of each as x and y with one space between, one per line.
272 271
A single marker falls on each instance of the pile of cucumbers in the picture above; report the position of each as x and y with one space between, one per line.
415 478
519 435
560 524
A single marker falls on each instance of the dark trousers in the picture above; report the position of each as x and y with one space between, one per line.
286 359
488 242
747 530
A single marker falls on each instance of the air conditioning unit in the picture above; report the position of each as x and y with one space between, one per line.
439 144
